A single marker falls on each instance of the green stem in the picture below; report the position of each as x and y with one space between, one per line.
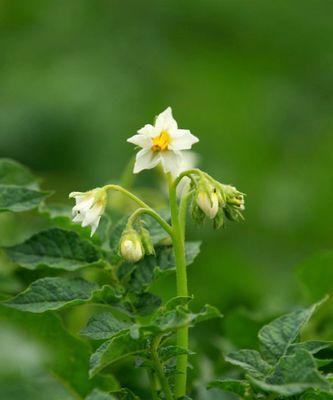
153 386
154 215
159 369
128 194
183 209
187 173
181 274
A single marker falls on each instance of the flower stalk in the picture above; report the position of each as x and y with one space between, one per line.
182 290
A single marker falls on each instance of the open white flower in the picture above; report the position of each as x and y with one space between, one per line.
162 143
89 207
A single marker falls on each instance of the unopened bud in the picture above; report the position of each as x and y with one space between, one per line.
147 242
208 203
131 247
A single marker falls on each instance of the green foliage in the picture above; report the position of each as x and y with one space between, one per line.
54 248
286 366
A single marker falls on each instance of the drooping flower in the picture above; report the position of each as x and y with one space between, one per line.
89 207
162 143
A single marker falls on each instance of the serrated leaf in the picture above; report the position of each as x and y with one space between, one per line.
293 375
278 335
251 361
97 394
114 350
14 173
68 356
104 325
19 198
152 267
55 293
54 248
230 385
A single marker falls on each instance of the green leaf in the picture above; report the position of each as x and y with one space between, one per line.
178 301
293 375
145 303
55 248
230 385
312 346
97 394
278 335
56 293
68 356
251 361
125 394
152 267
19 198
104 325
114 350
316 274
167 352
316 395
14 173
172 320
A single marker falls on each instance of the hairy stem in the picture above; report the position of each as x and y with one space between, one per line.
153 214
159 369
181 274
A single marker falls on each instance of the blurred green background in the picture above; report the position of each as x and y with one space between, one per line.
253 80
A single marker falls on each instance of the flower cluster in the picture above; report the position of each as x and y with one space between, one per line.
164 143
216 201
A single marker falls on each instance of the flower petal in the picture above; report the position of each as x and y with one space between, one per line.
166 122
171 162
146 159
183 140
84 205
94 226
148 130
92 215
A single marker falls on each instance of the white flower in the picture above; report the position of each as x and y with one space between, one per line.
162 143
209 203
131 247
89 207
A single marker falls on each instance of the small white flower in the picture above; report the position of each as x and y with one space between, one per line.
131 247
208 203
89 207
162 143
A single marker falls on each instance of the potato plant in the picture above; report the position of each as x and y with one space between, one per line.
104 256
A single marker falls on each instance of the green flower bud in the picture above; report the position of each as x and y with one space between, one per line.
147 242
131 247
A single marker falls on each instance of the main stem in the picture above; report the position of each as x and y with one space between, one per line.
181 274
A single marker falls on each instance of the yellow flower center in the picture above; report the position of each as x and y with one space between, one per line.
161 142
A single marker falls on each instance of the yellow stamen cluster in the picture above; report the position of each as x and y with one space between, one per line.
161 142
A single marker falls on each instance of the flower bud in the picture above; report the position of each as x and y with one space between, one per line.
208 202
147 242
131 247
